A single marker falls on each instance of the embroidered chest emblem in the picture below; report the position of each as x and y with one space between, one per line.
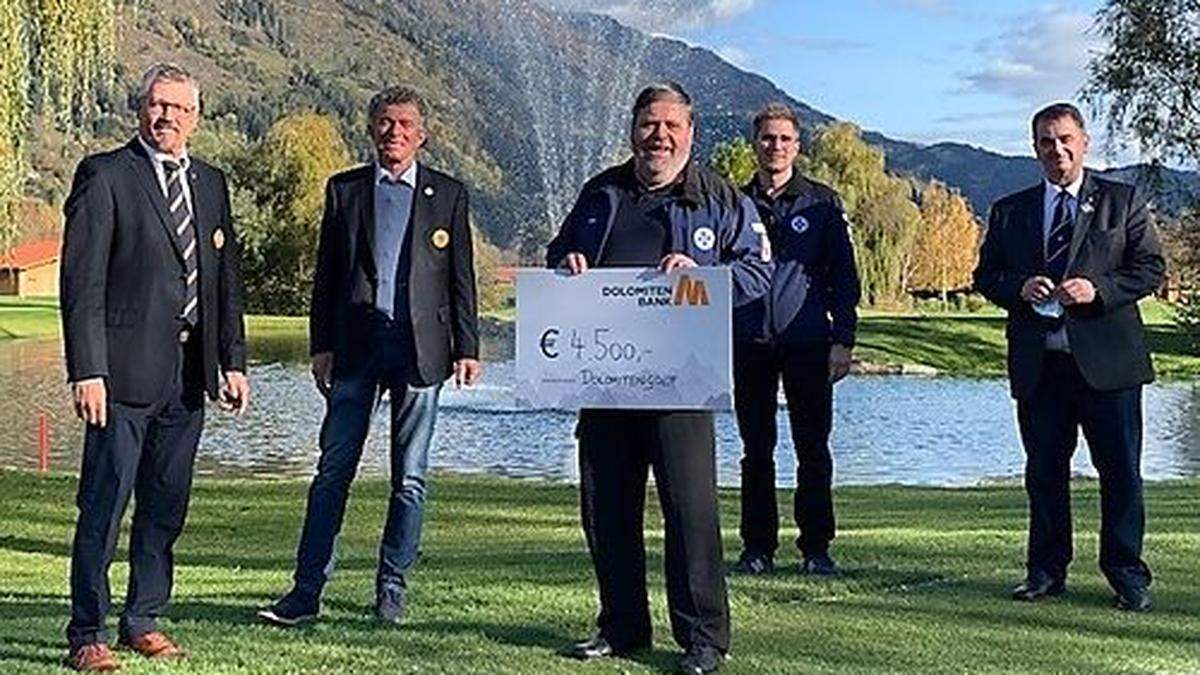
799 224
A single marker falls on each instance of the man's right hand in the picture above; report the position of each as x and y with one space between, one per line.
91 401
1037 289
575 262
322 370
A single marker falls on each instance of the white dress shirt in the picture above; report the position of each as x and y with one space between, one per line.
157 158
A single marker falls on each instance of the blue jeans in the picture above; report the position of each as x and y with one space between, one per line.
347 419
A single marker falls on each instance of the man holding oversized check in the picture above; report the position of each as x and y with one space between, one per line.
644 353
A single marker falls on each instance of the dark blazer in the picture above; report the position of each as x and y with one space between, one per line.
1113 245
439 278
122 276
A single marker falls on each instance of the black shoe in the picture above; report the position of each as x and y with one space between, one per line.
753 564
1134 599
700 660
391 603
819 564
1039 585
598 647
291 610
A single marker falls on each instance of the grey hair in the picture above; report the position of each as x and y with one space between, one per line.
662 91
164 72
397 95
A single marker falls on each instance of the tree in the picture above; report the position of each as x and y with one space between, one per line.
278 194
494 294
735 160
946 247
1148 83
1148 79
885 220
55 53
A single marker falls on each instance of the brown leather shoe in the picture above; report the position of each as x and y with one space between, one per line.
153 645
95 657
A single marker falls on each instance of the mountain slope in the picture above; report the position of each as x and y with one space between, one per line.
526 103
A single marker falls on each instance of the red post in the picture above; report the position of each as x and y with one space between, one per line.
43 443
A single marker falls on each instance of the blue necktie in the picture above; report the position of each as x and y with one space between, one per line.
1058 242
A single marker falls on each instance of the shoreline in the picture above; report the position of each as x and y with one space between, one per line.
969 345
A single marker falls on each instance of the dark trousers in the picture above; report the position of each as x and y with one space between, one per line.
146 451
1050 419
347 419
616 450
805 373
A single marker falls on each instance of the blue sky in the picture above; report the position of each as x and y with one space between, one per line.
923 70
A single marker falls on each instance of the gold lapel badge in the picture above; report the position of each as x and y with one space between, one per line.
440 238
219 239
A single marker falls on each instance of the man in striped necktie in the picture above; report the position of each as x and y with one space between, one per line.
152 321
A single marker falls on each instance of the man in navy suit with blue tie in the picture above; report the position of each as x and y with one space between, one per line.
1069 259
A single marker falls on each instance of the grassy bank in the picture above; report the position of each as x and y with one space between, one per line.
28 317
969 345
505 581
974 345
24 318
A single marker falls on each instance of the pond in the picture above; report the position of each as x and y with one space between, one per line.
887 429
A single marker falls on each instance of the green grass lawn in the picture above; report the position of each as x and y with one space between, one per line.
505 581
28 317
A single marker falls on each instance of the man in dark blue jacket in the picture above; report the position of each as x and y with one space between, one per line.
803 331
658 210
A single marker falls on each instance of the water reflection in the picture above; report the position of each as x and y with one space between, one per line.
941 431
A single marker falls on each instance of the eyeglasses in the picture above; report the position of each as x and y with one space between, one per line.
168 107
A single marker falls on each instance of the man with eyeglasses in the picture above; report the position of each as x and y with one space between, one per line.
800 332
152 321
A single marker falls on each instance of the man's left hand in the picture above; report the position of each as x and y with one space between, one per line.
672 261
839 362
467 372
235 392
1076 291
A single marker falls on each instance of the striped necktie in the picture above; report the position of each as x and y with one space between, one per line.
185 235
1058 241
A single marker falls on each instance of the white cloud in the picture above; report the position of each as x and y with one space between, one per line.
660 16
736 56
1041 57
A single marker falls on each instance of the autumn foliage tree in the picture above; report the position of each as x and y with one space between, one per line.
946 247
885 220
284 177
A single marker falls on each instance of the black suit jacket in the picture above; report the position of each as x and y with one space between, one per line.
122 276
1113 245
439 274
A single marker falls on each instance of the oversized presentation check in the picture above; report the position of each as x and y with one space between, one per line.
624 338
